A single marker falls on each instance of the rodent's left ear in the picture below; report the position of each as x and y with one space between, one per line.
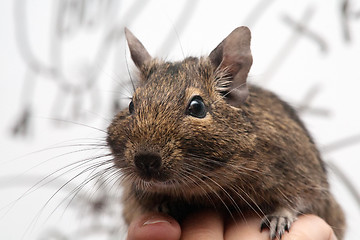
233 57
139 54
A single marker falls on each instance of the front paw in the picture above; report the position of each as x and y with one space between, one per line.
278 222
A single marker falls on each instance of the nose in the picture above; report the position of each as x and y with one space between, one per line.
148 164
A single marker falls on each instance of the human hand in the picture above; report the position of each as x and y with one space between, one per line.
208 225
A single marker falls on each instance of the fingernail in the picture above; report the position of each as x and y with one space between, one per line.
155 220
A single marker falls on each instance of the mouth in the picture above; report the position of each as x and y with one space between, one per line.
155 185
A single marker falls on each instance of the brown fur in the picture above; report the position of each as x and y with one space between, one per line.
257 156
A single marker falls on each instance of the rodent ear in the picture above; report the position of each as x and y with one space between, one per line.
233 57
138 53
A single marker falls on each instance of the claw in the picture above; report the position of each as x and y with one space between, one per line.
264 224
277 223
288 225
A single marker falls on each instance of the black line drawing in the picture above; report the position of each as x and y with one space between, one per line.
290 44
347 14
72 15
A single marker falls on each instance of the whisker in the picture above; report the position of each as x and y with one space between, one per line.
42 182
59 146
75 123
75 192
214 192
190 177
65 184
234 203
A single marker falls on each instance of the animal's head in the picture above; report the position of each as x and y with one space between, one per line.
185 123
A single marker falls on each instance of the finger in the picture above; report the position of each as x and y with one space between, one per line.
205 225
248 229
154 226
309 227
306 227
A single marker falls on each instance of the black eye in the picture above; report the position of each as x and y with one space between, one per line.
131 107
196 107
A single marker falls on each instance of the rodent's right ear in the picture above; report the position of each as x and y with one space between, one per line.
138 53
232 57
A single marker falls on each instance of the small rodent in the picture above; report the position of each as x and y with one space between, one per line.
196 135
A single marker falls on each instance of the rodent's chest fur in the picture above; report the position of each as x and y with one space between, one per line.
197 135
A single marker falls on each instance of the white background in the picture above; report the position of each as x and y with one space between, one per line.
290 63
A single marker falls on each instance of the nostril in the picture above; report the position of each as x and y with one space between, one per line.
148 163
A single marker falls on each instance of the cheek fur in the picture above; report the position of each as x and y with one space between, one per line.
117 139
205 151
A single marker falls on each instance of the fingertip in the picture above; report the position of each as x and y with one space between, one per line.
306 227
203 225
155 226
309 227
249 228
